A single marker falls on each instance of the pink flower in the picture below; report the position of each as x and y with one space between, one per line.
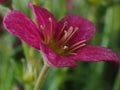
61 43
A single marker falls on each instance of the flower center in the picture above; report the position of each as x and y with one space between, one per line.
60 44
63 38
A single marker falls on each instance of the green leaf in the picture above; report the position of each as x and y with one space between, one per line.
57 7
4 10
22 5
112 27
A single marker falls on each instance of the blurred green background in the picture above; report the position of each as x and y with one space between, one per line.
20 64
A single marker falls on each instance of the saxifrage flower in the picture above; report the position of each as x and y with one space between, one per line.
62 43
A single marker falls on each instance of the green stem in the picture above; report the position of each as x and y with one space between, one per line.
26 50
36 2
117 82
28 87
41 77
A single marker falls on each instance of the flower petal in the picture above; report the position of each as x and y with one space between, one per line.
56 60
96 54
86 28
43 17
21 26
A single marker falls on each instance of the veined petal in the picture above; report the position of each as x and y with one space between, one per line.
44 18
96 54
21 26
86 28
56 60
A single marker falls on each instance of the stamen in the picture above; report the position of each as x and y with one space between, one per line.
65 24
42 27
78 43
63 38
70 30
65 35
71 33
44 34
50 19
77 47
50 36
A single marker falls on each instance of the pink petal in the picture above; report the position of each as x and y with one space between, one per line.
21 26
86 28
96 54
42 16
55 59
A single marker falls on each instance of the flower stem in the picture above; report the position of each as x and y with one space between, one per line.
36 2
41 77
117 82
